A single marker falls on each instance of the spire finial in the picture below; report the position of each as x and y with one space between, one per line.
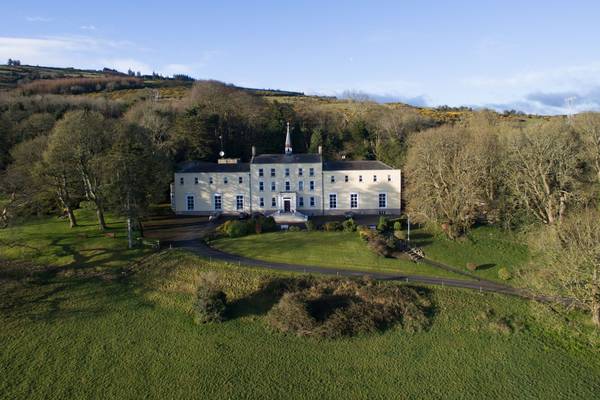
288 140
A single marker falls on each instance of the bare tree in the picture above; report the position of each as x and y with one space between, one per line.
570 253
445 184
588 125
544 169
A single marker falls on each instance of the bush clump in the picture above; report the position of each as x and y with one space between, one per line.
334 308
211 302
349 225
238 228
504 274
397 226
294 228
310 226
383 224
332 226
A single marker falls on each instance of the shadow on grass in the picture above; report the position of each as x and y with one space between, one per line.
483 267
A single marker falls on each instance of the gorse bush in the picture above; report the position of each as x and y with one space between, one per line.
335 308
397 226
211 301
332 226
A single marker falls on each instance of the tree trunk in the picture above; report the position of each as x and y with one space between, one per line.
129 233
101 221
141 227
71 215
595 306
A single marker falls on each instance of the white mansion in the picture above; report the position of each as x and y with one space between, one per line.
287 186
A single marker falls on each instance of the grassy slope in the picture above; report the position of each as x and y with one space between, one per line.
331 249
488 247
50 241
77 337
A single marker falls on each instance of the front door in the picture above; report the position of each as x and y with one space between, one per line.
286 205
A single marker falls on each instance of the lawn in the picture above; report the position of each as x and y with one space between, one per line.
50 241
80 337
331 249
490 248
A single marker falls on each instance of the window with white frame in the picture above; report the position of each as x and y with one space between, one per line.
273 172
195 180
262 202
345 178
181 180
261 172
300 186
287 186
300 201
225 180
287 172
190 202
311 172
273 187
374 178
218 203
353 200
300 171
312 201
332 178
273 202
332 200
382 200
389 178
261 186
240 179
239 202
210 180
360 178
311 185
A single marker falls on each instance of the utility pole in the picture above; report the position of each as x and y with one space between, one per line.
408 230
569 101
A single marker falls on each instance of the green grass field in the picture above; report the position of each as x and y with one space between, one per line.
50 241
85 337
331 249
488 247
123 329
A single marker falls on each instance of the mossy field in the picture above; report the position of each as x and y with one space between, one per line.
124 329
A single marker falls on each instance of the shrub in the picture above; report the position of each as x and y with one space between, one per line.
333 308
364 232
294 228
379 245
382 225
331 226
471 266
349 225
236 229
400 234
268 224
504 274
210 302
310 226
397 226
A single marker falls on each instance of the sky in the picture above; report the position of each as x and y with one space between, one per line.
526 55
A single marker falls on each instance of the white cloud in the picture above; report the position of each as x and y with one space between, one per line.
88 27
38 19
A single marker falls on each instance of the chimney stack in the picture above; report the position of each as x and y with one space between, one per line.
320 150
253 151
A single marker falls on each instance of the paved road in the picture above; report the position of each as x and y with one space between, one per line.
187 232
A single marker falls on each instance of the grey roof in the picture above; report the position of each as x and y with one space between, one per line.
203 166
351 165
286 158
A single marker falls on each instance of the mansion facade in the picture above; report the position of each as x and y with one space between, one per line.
286 185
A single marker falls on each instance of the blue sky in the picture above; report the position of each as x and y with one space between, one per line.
528 55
